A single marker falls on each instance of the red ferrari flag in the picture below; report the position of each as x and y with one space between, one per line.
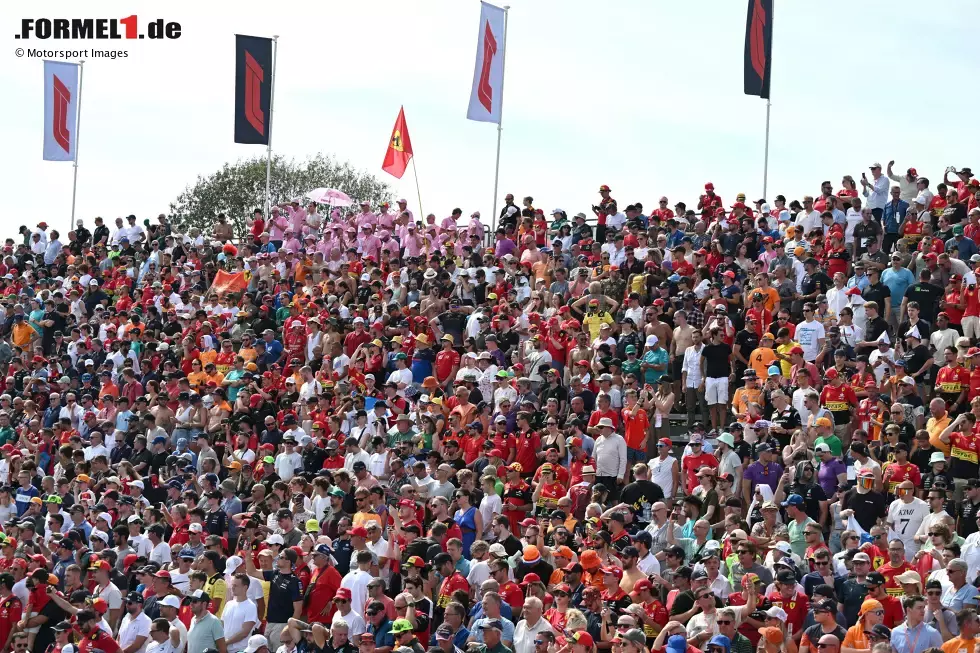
399 148
758 48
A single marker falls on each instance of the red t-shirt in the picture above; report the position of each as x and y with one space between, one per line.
598 414
964 446
324 584
512 594
693 463
974 383
953 298
637 423
450 585
839 399
752 633
528 445
11 611
796 608
98 640
952 380
889 572
898 473
446 360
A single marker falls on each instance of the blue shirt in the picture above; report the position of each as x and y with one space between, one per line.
861 282
122 420
507 635
23 496
966 247
422 362
898 282
656 356
273 349
915 640
892 216
956 600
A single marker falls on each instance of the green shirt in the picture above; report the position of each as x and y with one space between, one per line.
499 648
831 441
7 435
797 540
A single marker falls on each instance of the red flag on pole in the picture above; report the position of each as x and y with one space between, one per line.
399 148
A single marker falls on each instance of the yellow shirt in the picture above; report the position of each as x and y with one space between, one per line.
785 365
935 428
217 589
594 322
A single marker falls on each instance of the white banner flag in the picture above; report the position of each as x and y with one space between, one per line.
486 96
60 110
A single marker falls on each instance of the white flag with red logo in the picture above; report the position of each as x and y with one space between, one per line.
60 110
486 97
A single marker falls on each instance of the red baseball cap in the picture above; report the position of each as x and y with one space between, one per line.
530 578
615 571
343 593
358 531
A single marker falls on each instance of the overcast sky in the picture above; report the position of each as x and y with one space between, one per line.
645 96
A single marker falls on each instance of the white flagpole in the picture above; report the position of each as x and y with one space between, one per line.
765 165
78 135
416 173
496 173
272 102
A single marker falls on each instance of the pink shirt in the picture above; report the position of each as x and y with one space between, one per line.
298 218
386 220
277 226
370 246
413 244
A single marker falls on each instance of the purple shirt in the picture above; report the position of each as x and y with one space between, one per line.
827 475
768 474
504 247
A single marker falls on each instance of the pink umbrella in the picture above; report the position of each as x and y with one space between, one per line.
330 197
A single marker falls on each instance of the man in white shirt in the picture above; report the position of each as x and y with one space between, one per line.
353 454
808 218
357 581
239 616
288 461
810 334
355 622
169 607
134 632
164 638
905 515
876 191
530 626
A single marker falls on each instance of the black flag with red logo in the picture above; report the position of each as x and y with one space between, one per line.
758 48
253 89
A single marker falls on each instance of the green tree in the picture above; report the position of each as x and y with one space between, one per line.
239 188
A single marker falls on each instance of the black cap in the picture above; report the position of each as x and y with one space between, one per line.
785 577
881 631
134 597
827 605
61 626
875 578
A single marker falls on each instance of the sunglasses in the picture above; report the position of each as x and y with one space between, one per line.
934 593
819 645
723 622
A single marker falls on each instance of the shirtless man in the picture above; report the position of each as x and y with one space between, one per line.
580 352
679 343
657 328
